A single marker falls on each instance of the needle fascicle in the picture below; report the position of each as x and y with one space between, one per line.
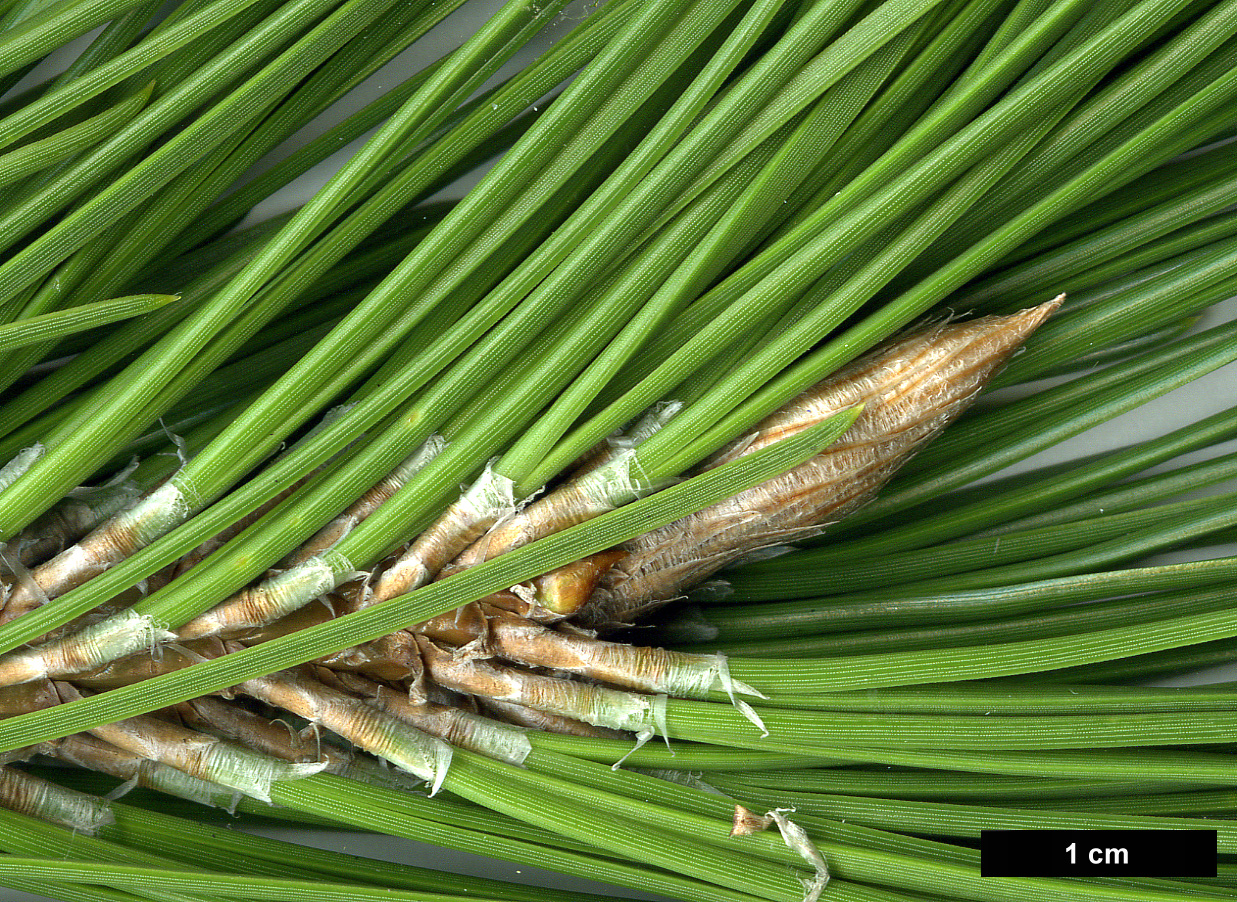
600 706
92 753
113 541
366 504
532 719
199 755
490 499
364 725
47 801
70 520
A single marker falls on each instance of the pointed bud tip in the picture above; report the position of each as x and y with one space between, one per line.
1030 318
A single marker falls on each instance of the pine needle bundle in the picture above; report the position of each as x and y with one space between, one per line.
652 511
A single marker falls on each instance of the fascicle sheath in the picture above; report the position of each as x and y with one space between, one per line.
207 758
596 705
500 741
491 499
22 461
95 754
796 839
343 524
523 716
589 495
93 646
160 511
72 519
273 598
647 669
366 727
602 483
50 802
